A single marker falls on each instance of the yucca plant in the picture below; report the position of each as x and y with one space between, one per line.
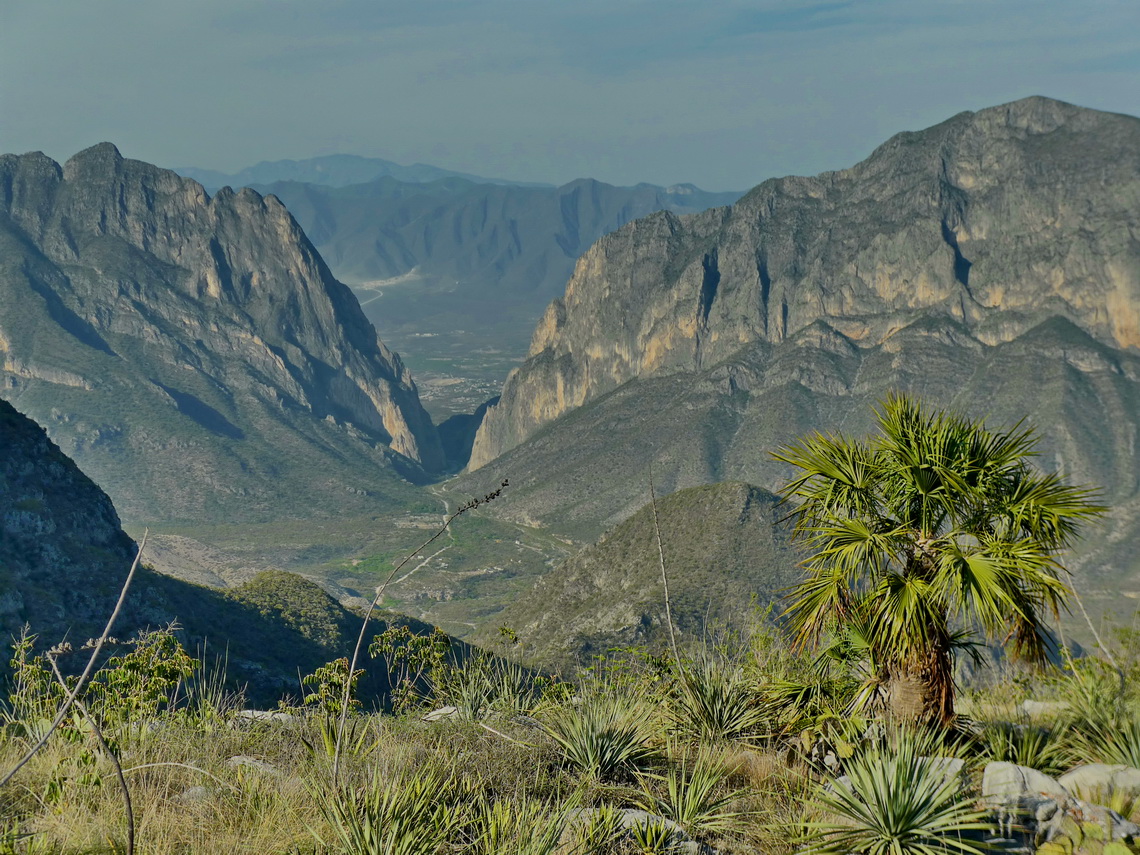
603 827
409 816
895 801
1039 748
653 837
694 796
1114 742
716 703
604 737
524 827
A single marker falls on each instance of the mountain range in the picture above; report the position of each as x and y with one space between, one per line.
197 356
333 170
990 264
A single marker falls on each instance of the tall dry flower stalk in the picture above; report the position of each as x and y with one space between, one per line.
462 509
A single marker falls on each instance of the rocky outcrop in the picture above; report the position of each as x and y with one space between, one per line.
144 319
993 221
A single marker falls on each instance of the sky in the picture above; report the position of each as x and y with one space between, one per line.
719 93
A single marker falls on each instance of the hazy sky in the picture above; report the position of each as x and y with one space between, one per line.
722 93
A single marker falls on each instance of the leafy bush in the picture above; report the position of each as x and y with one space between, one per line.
328 683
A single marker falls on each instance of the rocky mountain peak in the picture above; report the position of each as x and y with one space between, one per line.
995 220
218 305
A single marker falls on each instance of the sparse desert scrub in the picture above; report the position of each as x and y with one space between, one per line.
212 781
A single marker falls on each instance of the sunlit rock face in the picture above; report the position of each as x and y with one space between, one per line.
192 351
989 223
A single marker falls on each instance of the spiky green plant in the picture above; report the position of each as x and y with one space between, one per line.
1113 742
603 828
715 703
604 737
1039 748
523 827
694 796
408 816
653 837
895 801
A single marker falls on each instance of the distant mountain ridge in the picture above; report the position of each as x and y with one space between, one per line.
194 353
486 240
332 170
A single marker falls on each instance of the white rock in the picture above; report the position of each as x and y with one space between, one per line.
1038 709
951 767
442 713
1100 780
194 796
1006 782
244 760
265 715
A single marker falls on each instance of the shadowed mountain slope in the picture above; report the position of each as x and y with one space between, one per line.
194 353
64 558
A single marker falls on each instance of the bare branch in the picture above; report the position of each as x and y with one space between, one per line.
85 676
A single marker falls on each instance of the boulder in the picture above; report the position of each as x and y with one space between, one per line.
265 715
1007 782
1100 780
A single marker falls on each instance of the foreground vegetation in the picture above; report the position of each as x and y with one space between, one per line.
738 751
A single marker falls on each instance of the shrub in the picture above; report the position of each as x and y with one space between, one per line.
716 703
407 816
694 796
895 801
604 737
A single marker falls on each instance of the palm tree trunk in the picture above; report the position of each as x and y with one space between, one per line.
923 692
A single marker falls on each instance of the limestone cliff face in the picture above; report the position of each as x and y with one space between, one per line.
995 220
140 311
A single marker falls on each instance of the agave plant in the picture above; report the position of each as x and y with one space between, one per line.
653 837
694 798
716 703
1036 747
408 816
524 827
895 801
604 737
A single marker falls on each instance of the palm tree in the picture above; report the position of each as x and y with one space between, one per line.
925 537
